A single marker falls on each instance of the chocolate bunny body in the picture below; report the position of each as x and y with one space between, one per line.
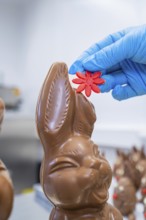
74 175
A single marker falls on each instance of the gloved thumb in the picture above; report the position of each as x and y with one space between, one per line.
123 92
108 56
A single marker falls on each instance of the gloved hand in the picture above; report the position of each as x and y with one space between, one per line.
121 57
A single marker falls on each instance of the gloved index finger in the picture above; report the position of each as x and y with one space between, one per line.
77 65
111 55
110 39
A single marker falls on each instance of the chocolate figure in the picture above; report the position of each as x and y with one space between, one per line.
136 154
141 167
6 187
74 175
124 197
118 169
127 168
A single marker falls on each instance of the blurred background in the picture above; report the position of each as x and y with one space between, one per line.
33 35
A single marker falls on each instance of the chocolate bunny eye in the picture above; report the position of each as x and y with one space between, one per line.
62 163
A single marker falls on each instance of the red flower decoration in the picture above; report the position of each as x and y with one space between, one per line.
88 82
115 196
143 191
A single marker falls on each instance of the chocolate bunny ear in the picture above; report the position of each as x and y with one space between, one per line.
55 108
84 116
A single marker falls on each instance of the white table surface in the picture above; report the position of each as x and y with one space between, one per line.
26 208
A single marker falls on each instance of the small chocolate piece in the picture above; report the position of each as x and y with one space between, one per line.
74 175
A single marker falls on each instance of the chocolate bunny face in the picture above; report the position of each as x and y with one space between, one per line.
73 173
77 176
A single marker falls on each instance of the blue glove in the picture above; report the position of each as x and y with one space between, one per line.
121 57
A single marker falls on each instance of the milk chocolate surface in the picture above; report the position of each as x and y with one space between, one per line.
74 175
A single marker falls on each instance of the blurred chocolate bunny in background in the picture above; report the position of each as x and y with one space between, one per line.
130 172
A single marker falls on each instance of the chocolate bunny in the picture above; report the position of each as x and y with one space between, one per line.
124 197
136 154
6 186
127 168
74 176
118 168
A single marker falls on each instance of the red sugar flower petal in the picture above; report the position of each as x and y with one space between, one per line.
145 215
96 75
99 81
78 81
88 73
81 75
81 88
95 88
88 90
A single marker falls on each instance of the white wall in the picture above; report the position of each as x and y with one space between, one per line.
8 44
13 32
42 32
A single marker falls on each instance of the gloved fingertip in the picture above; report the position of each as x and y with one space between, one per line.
108 85
117 93
123 92
76 67
104 88
72 69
